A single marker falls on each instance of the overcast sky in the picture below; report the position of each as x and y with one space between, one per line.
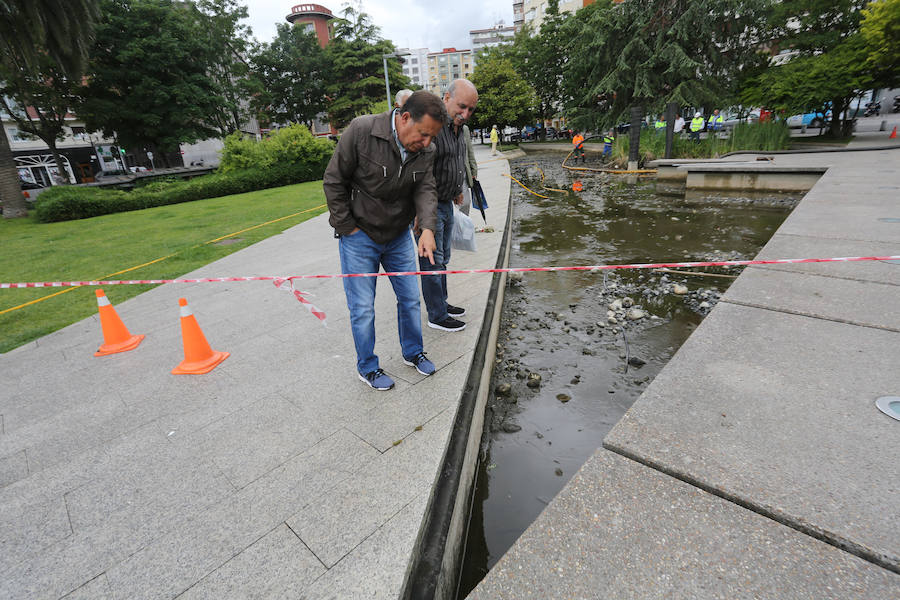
408 23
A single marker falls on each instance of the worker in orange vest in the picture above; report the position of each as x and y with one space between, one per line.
578 142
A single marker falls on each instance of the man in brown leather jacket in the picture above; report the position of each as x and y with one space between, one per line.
378 180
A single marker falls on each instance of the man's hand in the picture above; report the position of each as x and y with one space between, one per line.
458 200
427 245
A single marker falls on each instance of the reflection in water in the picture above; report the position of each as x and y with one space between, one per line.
556 324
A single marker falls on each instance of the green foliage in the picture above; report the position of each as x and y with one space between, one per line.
44 88
229 41
833 65
504 97
292 155
880 28
653 52
293 145
34 33
289 77
356 73
59 29
150 82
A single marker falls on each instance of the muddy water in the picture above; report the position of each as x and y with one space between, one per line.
593 361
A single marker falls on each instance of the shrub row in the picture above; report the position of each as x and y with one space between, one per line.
294 157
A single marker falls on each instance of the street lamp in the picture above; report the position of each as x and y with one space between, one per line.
387 86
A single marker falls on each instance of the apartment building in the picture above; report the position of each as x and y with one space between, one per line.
415 66
492 36
447 65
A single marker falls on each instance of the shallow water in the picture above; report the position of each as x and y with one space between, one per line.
556 325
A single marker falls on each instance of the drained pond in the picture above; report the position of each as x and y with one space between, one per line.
576 348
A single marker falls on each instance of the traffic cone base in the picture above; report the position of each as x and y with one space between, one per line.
129 344
201 366
116 337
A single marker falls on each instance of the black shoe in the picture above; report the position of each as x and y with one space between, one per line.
455 311
448 324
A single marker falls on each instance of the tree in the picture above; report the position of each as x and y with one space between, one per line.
504 97
825 34
150 82
289 77
657 51
30 29
809 82
228 42
880 28
356 68
40 100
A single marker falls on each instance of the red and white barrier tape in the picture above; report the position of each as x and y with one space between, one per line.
281 279
287 284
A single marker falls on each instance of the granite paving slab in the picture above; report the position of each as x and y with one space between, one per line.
622 530
776 411
861 303
803 246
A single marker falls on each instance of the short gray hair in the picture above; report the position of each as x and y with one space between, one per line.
400 98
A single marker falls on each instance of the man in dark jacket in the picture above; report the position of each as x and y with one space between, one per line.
380 178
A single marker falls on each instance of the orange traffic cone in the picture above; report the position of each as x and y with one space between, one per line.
198 356
116 337
893 135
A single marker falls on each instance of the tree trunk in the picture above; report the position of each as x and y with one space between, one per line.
60 165
10 191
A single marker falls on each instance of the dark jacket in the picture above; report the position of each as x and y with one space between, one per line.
366 185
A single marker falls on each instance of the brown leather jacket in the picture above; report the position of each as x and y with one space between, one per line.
366 185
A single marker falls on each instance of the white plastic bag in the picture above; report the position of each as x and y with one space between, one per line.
463 236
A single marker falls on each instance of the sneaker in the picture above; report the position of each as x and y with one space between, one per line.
421 363
455 311
448 324
377 379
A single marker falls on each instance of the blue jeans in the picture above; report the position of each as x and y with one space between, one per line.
359 254
434 287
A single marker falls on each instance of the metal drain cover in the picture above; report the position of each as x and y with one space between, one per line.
889 405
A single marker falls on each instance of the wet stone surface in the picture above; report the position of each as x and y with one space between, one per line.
577 348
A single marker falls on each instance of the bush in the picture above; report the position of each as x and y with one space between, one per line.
289 145
293 155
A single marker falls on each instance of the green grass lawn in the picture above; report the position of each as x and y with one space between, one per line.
103 247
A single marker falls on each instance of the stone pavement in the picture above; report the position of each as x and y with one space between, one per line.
756 464
278 474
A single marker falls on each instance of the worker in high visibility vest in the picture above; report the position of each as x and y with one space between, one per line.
495 137
578 142
608 139
660 123
696 127
715 121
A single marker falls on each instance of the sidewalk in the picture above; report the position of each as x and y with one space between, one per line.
756 464
278 474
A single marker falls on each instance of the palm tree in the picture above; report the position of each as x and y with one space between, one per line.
60 29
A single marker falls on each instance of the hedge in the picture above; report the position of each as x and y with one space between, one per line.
308 158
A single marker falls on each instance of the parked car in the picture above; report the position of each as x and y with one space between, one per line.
809 119
732 119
